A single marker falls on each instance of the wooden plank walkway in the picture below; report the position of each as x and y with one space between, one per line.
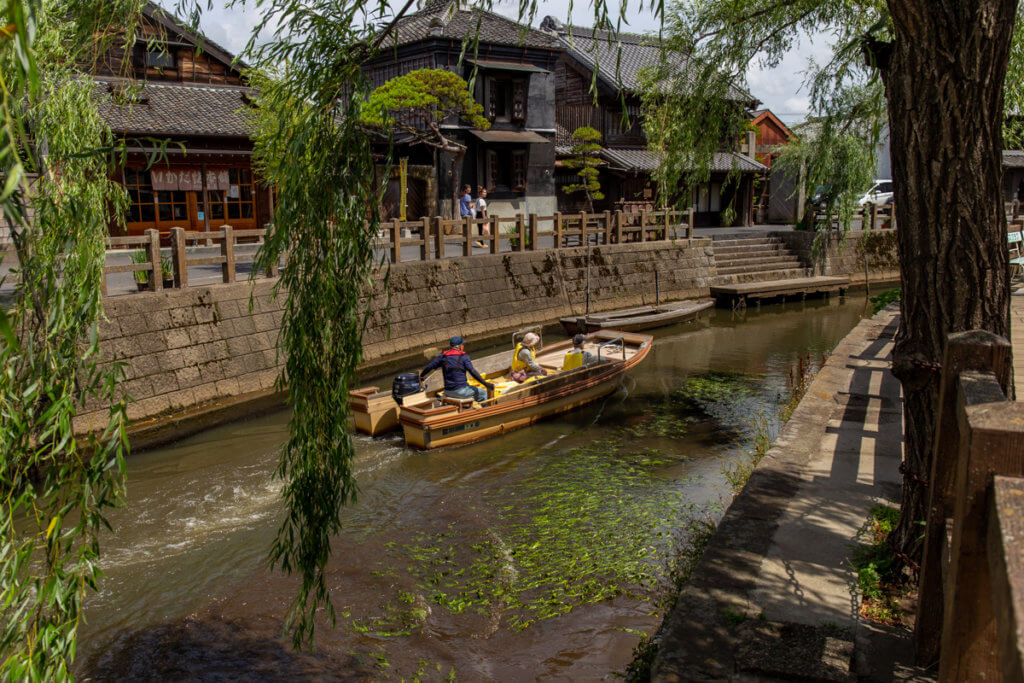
737 295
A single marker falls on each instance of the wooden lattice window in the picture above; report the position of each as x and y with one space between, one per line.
140 192
519 100
519 171
238 200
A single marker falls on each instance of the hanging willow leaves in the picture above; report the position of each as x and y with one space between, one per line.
58 200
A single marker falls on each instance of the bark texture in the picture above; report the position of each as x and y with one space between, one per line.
943 78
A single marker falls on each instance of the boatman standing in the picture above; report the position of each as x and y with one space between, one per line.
454 364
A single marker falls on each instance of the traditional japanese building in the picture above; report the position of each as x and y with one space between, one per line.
181 97
615 63
775 197
514 81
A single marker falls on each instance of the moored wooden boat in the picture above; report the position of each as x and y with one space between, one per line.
435 422
639 318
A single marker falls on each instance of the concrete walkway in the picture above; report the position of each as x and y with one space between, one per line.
774 597
1017 340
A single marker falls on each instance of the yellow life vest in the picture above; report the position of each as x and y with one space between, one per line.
573 360
518 364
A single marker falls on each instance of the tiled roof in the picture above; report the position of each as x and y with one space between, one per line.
643 160
177 109
618 58
440 20
1013 158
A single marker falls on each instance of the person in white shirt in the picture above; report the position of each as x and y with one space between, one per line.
480 209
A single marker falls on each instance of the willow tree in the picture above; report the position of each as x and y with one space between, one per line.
935 71
416 104
57 201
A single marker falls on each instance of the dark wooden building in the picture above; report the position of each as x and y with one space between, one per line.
514 81
628 163
775 197
177 87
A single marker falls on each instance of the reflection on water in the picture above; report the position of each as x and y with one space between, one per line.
536 554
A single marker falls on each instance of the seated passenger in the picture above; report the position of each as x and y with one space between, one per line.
454 364
524 360
577 357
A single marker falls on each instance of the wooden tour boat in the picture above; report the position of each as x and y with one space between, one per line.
635 319
430 420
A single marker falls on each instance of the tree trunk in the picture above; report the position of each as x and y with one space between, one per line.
456 180
943 78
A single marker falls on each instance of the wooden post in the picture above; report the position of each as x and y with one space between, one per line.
992 442
179 258
583 229
668 220
521 231
873 209
156 279
440 234
425 234
974 350
558 230
618 227
495 246
467 234
643 225
533 232
227 250
607 227
272 269
689 223
396 243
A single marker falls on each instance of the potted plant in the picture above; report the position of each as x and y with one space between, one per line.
167 272
141 276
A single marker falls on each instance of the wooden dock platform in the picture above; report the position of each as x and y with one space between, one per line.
737 295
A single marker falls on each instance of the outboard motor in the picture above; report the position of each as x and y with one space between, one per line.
405 384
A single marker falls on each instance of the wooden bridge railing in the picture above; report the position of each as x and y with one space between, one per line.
873 217
971 611
523 232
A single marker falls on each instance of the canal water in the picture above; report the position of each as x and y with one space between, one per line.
542 553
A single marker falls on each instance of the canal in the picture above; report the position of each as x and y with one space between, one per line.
540 554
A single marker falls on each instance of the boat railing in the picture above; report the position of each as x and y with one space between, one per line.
617 344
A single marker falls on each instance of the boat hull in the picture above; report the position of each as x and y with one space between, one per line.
428 425
634 320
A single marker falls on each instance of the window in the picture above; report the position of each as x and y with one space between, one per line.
506 170
172 206
238 198
159 59
140 192
506 99
707 198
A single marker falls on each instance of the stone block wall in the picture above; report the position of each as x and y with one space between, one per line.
193 349
846 255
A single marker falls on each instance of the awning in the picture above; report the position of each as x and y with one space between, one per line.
507 66
520 136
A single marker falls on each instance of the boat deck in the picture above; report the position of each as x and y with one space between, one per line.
737 295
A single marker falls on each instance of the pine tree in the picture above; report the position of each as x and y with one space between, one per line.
586 148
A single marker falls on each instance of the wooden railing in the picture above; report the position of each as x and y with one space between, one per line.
180 261
971 611
523 232
872 217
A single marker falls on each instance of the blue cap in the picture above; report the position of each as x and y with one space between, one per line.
455 341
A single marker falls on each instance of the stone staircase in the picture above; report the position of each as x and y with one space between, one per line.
749 257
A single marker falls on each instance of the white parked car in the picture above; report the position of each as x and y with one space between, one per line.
879 194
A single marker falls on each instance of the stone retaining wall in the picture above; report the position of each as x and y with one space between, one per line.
186 351
846 255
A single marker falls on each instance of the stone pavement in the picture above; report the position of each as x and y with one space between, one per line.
774 597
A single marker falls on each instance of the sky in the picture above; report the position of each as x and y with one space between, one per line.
779 89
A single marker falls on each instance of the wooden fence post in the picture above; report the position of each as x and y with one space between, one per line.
521 231
179 258
156 279
618 227
425 234
533 232
396 243
974 350
607 227
439 231
668 220
991 443
558 230
873 210
467 234
643 225
272 268
583 229
227 250
689 223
